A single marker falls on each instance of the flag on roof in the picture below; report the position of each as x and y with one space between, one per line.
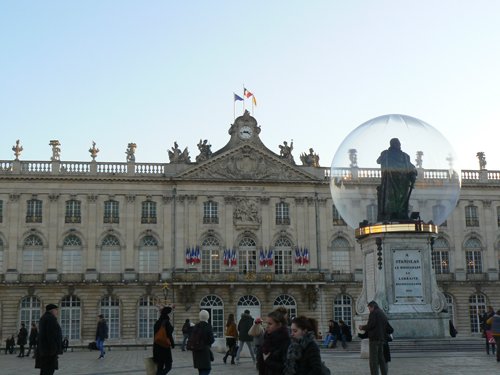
247 93
237 97
254 101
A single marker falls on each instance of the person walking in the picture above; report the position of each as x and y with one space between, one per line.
162 353
485 327
187 328
257 332
49 341
494 323
244 326
376 330
231 337
303 356
275 345
32 339
22 339
200 342
101 334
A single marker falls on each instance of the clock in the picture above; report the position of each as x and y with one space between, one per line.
245 132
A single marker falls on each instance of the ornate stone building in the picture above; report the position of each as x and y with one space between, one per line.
241 228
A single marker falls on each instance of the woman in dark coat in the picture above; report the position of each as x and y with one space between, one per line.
163 356
303 357
202 355
272 354
22 339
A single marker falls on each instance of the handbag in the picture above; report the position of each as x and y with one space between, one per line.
161 338
490 338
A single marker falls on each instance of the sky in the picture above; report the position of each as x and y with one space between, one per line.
154 72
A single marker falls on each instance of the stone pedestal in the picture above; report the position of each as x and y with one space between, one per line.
398 275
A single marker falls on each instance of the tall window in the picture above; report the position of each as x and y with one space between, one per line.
34 211
498 216
1 256
247 255
440 256
215 308
210 257
70 317
210 214
72 254
471 216
342 309
148 215
147 316
73 211
477 306
450 307
111 212
473 256
110 308
371 213
282 256
149 255
282 213
340 255
33 254
1 211
288 302
30 311
337 219
110 255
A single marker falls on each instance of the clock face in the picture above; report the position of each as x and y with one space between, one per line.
245 132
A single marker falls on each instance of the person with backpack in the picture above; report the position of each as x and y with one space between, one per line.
101 334
199 343
303 356
187 328
162 347
244 325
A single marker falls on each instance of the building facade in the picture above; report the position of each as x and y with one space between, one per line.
239 228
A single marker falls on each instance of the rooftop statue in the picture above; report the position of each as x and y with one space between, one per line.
130 152
17 149
56 150
311 159
286 151
398 178
482 160
176 156
205 151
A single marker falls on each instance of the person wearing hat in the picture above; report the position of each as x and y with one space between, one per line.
244 326
257 332
101 334
162 354
200 342
49 341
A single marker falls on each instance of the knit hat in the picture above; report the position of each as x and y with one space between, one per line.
204 315
51 306
258 321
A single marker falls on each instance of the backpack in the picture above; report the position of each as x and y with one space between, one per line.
196 341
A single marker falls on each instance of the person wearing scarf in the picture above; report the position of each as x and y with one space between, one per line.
303 357
272 354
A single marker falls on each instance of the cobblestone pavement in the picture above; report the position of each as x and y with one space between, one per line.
341 363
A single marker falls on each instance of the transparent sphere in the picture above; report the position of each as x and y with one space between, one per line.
359 187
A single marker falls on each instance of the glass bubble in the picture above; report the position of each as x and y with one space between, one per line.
355 173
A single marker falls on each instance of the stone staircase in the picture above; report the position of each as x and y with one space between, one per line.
408 345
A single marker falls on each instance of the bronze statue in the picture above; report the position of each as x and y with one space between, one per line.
398 178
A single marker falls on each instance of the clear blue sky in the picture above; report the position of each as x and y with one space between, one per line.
155 72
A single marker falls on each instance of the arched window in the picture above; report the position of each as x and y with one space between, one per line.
477 306
440 256
110 255
30 311
110 308
282 213
33 254
149 255
147 316
282 256
72 254
70 317
210 256
341 255
342 309
450 307
213 304
210 212
288 302
250 303
247 258
473 257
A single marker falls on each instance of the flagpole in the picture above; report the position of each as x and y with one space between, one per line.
234 108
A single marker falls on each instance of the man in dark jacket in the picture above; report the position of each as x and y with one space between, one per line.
101 334
376 331
33 339
22 339
49 341
244 325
